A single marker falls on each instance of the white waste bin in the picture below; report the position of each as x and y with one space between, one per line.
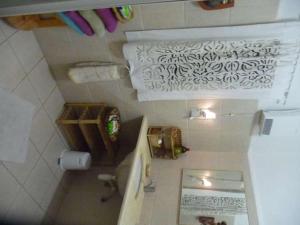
74 160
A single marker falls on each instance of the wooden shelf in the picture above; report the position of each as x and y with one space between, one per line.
84 128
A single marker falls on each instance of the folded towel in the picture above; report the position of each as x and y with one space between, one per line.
70 23
95 22
108 18
80 22
93 72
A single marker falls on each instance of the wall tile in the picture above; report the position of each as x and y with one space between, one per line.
212 104
158 120
115 43
232 160
163 15
41 80
22 170
129 103
39 181
53 35
238 106
204 140
105 91
89 48
25 91
134 109
60 71
8 190
249 14
11 70
24 210
42 130
74 92
211 125
56 45
54 104
52 152
195 16
135 24
26 48
238 124
230 142
171 108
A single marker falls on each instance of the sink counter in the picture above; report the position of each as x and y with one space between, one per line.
162 206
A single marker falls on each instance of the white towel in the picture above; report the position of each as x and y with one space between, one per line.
15 124
94 72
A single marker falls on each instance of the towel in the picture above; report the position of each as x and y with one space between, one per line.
94 72
80 22
70 23
94 21
15 118
108 18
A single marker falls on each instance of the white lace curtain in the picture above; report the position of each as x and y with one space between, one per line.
228 68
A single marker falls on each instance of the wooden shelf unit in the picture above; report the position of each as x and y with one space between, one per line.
83 125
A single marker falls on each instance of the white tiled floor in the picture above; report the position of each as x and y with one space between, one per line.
42 80
27 188
27 49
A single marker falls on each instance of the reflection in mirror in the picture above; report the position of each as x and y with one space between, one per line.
211 197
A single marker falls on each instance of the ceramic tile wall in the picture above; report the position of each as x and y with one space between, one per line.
63 47
162 206
27 188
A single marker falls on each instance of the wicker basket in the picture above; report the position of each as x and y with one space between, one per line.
163 141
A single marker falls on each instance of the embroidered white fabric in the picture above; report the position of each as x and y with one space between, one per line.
246 67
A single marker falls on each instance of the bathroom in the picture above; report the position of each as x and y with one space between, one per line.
34 67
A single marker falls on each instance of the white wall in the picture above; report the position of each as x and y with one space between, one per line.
288 9
26 189
275 172
274 161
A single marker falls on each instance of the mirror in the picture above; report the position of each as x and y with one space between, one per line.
211 197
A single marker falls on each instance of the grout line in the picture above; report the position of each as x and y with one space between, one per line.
23 185
19 60
139 8
26 75
10 35
42 155
6 37
51 92
90 93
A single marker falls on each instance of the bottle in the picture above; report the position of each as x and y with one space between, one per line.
180 150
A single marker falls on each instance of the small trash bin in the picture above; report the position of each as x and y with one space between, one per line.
74 160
